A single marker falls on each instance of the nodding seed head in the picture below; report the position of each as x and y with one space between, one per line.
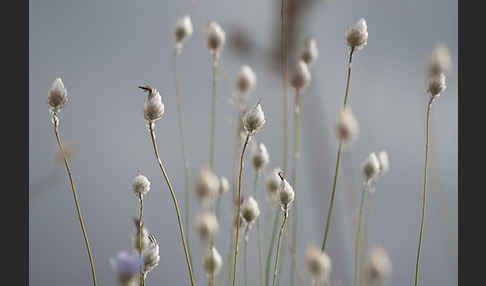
246 80
207 226
437 84
310 53
57 96
254 119
212 261
318 263
216 37
153 109
260 158
183 29
250 210
301 76
440 61
357 35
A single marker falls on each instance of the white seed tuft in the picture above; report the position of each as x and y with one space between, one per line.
272 184
57 96
183 29
153 109
437 84
140 185
357 35
384 162
318 263
310 53
207 226
207 185
223 185
215 37
245 80
249 210
440 61
286 194
301 76
371 167
212 261
347 126
150 256
260 157
378 267
254 119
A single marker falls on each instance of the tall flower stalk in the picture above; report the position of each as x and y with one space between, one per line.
259 233
56 99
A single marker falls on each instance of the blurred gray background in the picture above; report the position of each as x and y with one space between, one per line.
104 49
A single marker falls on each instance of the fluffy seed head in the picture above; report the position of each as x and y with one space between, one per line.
254 119
384 162
371 167
250 210
357 35
207 185
140 185
260 157
223 185
378 267
318 263
310 53
215 37
245 80
272 184
286 193
440 61
437 84
126 265
207 226
153 109
151 256
57 96
183 29
301 76
212 261
347 126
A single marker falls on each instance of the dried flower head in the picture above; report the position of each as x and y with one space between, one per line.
310 53
245 80
223 185
318 263
150 255
357 35
260 157
207 226
371 167
212 261
140 185
378 267
57 96
286 193
250 210
183 29
347 126
437 84
384 162
215 37
153 109
136 239
254 119
440 61
207 185
126 266
301 76
272 184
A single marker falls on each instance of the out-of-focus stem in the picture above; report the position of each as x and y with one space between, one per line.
270 247
140 197
278 246
259 233
358 232
213 114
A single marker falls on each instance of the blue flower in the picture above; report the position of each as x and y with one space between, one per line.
126 265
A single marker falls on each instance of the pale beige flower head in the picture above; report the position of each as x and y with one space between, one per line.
207 185
384 162
440 61
371 167
140 185
301 76
347 126
260 157
254 119
153 109
183 29
310 53
272 184
437 84
150 256
250 210
207 226
212 261
318 263
216 37
357 35
246 80
378 267
223 185
57 96
286 193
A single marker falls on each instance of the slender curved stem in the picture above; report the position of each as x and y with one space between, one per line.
213 114
239 204
427 130
184 150
270 248
340 149
259 233
278 246
294 182
176 205
358 232
283 52
140 197
80 216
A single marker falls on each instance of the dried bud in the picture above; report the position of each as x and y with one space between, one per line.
371 167
384 162
150 255
440 61
57 96
207 185
318 263
246 80
223 185
378 268
310 53
254 119
153 109
250 210
301 76
215 37
272 184
183 29
260 157
437 84
140 185
357 35
347 126
212 261
286 194
207 226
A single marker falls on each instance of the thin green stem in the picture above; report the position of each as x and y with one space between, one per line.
140 197
270 248
239 204
340 149
213 115
80 217
358 232
259 233
184 150
427 130
283 52
278 246
293 249
176 205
